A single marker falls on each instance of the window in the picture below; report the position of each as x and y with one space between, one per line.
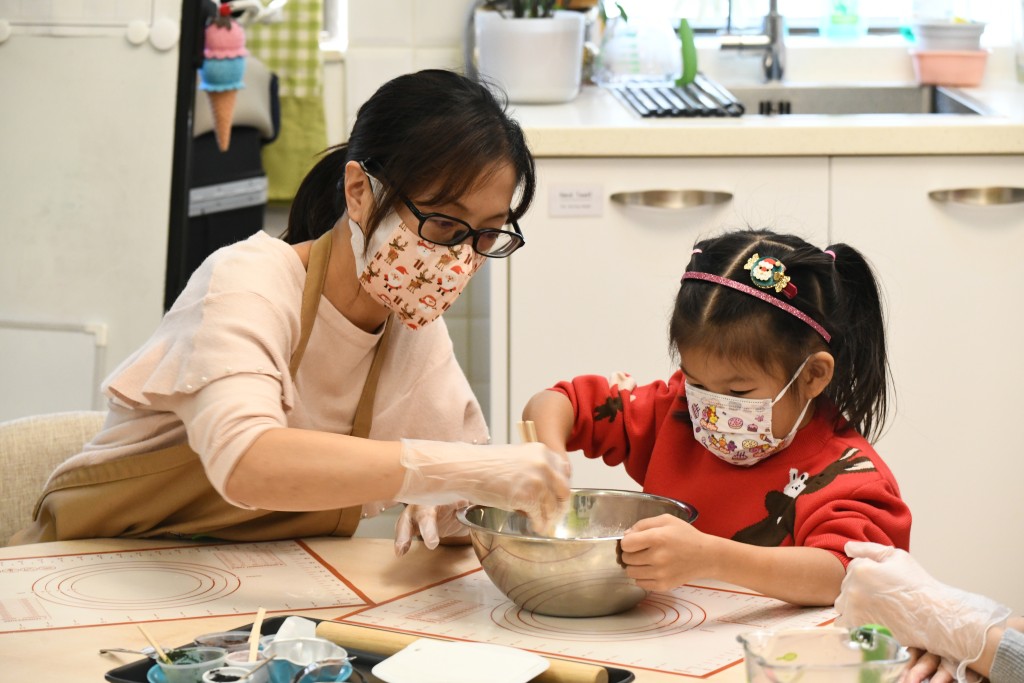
805 15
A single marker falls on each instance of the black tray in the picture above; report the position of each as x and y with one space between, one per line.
135 672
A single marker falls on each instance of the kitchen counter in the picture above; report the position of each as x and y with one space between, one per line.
596 124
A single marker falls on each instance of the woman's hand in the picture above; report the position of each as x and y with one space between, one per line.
431 523
664 552
529 477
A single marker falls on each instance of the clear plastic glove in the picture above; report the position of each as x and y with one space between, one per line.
887 586
429 522
529 477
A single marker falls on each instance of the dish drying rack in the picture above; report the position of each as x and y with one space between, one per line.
702 97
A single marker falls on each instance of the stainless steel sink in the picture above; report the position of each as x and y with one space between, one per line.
796 99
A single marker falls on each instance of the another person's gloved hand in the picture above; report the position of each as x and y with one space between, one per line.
887 586
529 477
431 523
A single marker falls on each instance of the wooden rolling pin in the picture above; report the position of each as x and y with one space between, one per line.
379 641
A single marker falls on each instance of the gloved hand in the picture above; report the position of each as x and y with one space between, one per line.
432 523
528 477
887 586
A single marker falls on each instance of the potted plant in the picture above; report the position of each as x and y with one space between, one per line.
532 49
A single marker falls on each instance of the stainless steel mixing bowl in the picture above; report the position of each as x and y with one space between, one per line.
577 571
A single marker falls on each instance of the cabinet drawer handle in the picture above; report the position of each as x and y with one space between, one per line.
980 196
671 200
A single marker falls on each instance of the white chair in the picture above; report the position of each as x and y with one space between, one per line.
30 449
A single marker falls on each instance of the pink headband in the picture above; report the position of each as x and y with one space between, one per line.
763 296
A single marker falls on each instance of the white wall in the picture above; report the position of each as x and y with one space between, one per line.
86 136
388 38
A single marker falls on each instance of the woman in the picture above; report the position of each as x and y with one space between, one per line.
244 416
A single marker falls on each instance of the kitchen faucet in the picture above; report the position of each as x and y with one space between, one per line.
770 41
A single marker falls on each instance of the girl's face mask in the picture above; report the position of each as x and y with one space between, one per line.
416 279
739 430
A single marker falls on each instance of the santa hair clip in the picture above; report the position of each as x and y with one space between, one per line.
769 273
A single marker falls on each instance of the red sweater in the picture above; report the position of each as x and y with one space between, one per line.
824 489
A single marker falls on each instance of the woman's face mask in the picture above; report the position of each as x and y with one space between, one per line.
416 279
739 430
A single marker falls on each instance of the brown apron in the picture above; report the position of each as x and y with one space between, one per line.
167 493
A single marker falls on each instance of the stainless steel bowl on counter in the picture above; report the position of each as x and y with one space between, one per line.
576 571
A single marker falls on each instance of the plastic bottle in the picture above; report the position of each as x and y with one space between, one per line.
842 20
643 47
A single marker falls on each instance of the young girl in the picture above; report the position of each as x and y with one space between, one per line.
782 370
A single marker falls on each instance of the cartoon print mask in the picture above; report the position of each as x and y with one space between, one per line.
416 279
738 430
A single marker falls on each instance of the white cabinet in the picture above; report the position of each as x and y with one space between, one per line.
951 274
592 291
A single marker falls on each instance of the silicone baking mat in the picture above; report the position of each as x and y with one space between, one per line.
690 631
38 593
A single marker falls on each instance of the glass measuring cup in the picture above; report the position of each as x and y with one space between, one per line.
822 655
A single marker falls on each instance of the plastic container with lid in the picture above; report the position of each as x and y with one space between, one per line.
963 68
644 47
939 34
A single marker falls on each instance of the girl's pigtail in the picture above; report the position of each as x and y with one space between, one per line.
320 200
860 388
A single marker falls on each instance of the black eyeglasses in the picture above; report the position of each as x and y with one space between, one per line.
448 231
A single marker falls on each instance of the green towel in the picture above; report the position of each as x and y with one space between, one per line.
291 49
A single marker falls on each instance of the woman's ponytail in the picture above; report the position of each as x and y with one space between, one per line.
320 200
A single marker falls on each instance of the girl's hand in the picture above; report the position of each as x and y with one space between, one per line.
927 666
922 666
664 552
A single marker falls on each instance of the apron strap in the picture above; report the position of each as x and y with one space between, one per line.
316 275
362 420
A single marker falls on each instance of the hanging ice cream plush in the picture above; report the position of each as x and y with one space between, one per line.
220 76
